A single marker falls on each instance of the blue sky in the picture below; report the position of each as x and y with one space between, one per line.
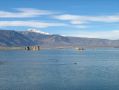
81 18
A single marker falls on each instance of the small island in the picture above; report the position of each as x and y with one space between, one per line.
80 49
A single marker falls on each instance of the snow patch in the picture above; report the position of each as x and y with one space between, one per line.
38 31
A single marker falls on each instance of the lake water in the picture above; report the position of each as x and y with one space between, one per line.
60 69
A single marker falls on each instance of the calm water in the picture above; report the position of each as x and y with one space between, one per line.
60 69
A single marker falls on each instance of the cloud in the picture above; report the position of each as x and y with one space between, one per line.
35 24
114 34
78 20
24 13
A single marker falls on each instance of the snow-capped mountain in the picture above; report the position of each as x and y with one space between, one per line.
38 31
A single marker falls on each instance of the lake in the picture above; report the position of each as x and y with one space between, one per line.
60 69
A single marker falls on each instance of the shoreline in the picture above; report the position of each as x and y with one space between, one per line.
44 48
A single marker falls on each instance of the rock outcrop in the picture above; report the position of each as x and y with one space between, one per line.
34 48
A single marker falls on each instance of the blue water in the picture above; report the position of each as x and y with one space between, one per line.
60 69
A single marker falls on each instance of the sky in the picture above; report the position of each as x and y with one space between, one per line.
79 18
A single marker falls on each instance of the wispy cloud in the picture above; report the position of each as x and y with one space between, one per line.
77 19
79 22
34 24
23 13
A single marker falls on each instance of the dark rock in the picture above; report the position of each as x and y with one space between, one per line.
34 48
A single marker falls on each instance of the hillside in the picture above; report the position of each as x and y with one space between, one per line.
58 40
13 38
27 38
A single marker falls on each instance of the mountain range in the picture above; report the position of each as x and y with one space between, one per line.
35 37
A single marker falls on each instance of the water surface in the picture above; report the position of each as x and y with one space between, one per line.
60 69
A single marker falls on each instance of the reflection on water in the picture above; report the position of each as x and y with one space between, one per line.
64 69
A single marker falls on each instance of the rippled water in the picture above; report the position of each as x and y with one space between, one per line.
60 69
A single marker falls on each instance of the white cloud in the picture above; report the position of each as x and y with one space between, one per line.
77 19
23 13
114 34
35 24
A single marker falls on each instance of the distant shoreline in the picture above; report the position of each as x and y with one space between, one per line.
42 48
12 48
